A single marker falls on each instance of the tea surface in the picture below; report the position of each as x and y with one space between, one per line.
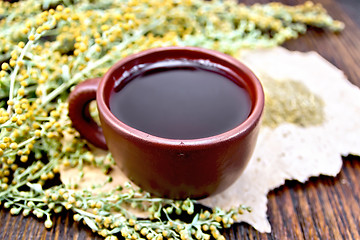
179 99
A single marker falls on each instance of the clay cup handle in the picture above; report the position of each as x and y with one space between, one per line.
79 114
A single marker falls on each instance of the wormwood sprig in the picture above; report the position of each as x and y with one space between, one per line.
47 47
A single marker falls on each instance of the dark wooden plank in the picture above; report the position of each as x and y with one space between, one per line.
352 8
322 208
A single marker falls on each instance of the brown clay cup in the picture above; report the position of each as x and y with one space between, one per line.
170 168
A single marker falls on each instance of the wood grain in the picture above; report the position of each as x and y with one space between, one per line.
322 208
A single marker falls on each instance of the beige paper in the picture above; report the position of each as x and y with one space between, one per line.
289 151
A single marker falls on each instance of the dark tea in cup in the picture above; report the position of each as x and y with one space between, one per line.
180 99
179 121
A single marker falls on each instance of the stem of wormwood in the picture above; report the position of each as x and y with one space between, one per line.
27 176
15 72
78 76
74 80
21 144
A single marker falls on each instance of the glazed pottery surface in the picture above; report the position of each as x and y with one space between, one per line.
170 168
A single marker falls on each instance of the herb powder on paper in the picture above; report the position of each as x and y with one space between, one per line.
290 101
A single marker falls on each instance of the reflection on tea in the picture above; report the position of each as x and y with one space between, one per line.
180 99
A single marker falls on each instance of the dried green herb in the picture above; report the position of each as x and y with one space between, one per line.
290 101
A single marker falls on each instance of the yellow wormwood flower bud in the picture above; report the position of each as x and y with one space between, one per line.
107 220
105 27
30 146
132 222
112 38
48 223
76 217
98 48
39 30
50 135
37 133
78 39
46 27
14 55
28 24
12 62
36 125
15 133
77 52
57 16
32 37
20 63
54 113
72 200
48 125
13 146
54 196
21 92
24 158
14 118
44 14
59 8
21 44
82 48
4 66
98 219
25 30
75 17
97 35
19 122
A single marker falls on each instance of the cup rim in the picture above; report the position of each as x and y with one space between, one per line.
241 129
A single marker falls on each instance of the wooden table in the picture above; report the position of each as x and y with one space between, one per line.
322 208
